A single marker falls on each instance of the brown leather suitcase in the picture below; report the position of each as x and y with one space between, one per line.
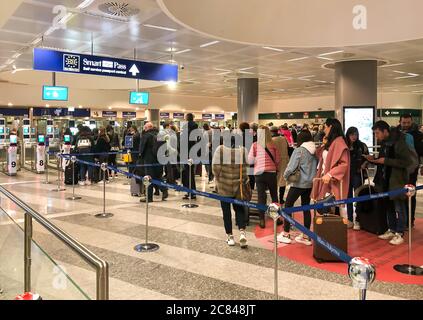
334 230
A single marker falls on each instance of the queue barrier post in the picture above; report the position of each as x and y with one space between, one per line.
409 269
46 168
190 205
59 180
146 247
362 273
273 213
104 215
73 198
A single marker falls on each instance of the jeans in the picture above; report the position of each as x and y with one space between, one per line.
267 180
397 216
355 183
185 178
227 216
83 168
293 195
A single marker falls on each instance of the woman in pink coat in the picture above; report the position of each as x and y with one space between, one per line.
334 163
287 134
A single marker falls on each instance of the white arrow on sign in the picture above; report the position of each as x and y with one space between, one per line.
134 70
387 113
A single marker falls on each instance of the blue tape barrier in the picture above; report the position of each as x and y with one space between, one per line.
91 153
285 212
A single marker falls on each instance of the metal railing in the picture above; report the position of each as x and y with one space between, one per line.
101 266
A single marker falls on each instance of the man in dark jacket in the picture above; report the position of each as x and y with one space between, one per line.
148 154
408 126
189 127
392 174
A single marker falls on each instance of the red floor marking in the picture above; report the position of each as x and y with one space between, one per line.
360 244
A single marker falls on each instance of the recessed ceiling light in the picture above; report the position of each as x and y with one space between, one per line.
172 85
47 105
392 65
330 53
273 49
80 107
297 59
159 27
209 44
10 104
136 109
184 110
183 51
110 108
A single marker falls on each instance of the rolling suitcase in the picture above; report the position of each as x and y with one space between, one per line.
334 230
135 188
69 180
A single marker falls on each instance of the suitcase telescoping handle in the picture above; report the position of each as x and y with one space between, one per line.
368 179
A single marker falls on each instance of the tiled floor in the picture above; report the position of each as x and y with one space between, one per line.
193 262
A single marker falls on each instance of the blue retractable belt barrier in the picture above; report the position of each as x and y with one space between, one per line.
285 213
92 153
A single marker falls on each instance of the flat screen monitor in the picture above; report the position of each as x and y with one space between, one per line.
74 131
141 98
2 122
363 119
26 131
41 139
71 123
26 122
67 138
1 130
50 130
55 93
13 139
50 122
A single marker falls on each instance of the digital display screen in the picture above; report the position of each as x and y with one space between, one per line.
50 130
49 122
74 131
2 122
142 98
67 138
26 122
71 123
363 119
41 139
55 93
129 142
13 139
1 130
26 131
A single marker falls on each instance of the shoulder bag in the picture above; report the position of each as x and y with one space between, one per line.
244 191
296 175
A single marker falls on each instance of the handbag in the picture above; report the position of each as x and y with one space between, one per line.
244 191
296 175
127 158
329 198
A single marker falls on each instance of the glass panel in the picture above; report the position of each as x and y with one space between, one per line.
48 279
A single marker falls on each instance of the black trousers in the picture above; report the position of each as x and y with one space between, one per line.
185 177
293 195
281 194
227 216
157 174
267 180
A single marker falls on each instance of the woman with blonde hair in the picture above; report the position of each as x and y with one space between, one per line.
265 157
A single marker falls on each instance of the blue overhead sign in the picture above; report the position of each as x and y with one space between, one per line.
57 61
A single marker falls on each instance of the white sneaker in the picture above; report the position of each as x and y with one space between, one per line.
397 240
350 225
303 239
230 241
88 183
81 183
243 240
388 235
356 226
284 238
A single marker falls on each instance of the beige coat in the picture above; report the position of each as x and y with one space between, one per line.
282 145
227 170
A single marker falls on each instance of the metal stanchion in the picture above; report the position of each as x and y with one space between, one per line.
59 187
128 180
46 169
409 268
273 212
73 198
190 205
146 247
104 215
362 273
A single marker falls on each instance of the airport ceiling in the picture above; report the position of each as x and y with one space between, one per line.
209 66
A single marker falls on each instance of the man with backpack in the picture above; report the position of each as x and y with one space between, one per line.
408 127
392 173
148 152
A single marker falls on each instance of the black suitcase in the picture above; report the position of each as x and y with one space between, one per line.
334 230
372 214
69 180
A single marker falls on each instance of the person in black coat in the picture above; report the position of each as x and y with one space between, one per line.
148 153
187 129
102 145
